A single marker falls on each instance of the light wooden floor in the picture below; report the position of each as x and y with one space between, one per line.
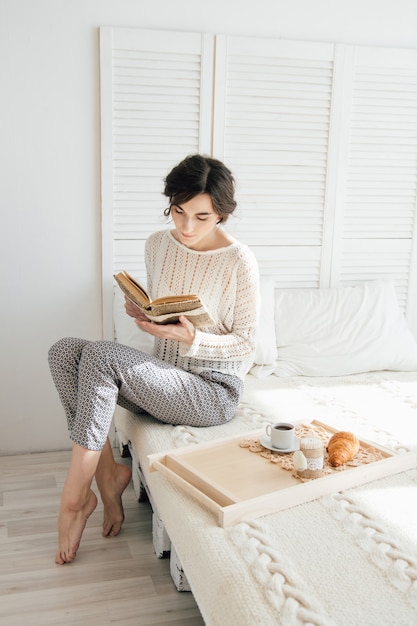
115 580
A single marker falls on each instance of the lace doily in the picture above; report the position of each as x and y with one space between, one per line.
363 456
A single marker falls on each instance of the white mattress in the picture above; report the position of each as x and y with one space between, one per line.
348 558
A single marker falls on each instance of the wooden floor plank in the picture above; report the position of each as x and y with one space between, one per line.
113 581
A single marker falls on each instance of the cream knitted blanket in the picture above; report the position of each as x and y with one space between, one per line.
348 558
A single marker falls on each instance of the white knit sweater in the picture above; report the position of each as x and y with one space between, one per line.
227 280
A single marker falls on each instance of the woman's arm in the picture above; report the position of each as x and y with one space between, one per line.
183 331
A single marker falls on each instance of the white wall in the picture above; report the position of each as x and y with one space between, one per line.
50 164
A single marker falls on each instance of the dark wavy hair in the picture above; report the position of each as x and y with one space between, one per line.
201 174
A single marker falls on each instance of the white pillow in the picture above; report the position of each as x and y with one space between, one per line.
340 331
126 331
266 344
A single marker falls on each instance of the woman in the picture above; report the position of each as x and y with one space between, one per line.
194 377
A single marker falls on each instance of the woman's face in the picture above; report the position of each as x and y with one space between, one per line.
196 222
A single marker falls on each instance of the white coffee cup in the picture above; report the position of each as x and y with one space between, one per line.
282 435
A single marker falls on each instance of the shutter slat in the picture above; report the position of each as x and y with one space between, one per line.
276 108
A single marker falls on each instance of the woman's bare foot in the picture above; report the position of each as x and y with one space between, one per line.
111 488
71 524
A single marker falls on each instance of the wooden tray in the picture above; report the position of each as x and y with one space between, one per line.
238 485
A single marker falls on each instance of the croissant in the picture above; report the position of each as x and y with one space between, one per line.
342 447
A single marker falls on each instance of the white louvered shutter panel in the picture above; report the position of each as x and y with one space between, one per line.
271 126
379 226
156 106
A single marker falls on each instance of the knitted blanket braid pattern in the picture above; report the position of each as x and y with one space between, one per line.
397 564
284 590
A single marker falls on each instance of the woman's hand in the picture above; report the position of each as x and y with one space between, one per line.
183 331
133 310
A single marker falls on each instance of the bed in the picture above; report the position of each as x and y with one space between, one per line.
348 557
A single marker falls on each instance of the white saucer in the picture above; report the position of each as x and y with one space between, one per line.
266 443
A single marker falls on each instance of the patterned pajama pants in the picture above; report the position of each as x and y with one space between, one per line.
91 377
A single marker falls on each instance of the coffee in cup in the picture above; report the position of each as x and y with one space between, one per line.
282 435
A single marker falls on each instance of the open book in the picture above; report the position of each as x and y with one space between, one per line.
164 310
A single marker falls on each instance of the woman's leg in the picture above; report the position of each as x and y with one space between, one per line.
77 502
64 361
112 479
90 378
